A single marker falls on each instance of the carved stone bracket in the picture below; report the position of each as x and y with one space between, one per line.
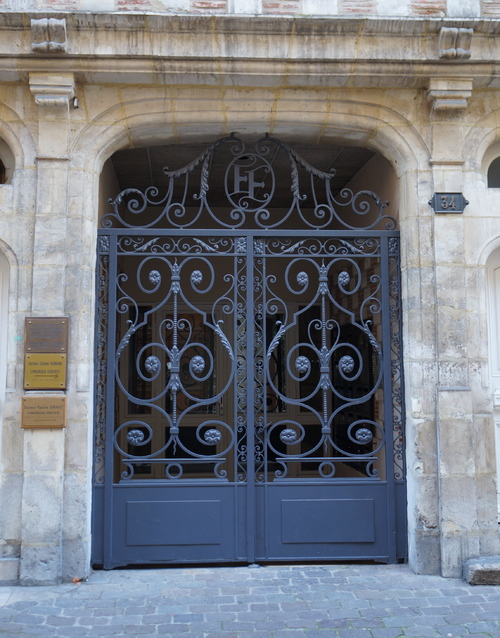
455 43
48 35
449 94
52 90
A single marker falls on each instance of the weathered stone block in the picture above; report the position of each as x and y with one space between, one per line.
40 564
75 559
482 571
42 507
424 557
9 570
455 548
458 504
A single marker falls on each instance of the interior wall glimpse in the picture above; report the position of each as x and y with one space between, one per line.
108 186
378 175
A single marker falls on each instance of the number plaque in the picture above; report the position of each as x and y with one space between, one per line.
448 203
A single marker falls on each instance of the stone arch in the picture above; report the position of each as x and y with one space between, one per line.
360 123
482 143
17 146
149 120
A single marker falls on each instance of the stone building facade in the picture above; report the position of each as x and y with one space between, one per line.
413 84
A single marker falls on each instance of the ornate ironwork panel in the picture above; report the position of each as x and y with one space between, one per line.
319 359
246 194
180 343
248 366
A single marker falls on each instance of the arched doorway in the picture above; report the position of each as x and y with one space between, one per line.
249 368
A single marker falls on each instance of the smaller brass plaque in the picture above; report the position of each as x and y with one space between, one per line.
45 371
46 334
43 412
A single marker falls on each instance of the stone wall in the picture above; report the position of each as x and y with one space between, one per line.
391 86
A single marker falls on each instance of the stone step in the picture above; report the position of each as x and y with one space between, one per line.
482 571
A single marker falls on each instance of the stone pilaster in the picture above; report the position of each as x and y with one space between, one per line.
43 454
466 528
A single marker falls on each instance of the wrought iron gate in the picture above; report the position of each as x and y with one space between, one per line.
249 374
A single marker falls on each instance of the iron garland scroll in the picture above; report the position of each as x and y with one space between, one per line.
321 371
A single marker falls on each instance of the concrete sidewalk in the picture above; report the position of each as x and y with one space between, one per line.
306 601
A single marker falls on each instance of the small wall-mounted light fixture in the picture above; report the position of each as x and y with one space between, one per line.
75 102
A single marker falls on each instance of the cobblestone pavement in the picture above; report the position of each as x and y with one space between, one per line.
306 601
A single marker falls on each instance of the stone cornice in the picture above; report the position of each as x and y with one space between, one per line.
337 52
272 73
175 23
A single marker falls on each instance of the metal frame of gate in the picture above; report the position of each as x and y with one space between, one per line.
249 394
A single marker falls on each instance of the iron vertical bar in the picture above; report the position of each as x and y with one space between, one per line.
265 379
388 416
250 370
110 407
235 408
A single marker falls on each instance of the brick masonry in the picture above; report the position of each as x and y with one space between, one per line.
281 7
428 8
490 8
208 6
133 5
366 7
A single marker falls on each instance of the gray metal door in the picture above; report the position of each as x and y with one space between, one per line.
248 378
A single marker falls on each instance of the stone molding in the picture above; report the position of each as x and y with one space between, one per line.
455 43
379 52
48 35
449 94
52 90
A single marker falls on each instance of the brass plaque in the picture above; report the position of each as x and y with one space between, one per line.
45 371
43 412
46 334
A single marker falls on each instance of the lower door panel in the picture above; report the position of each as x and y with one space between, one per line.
315 522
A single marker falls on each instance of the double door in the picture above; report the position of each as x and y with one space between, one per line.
248 398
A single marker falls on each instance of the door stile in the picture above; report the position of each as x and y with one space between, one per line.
388 411
250 372
108 518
